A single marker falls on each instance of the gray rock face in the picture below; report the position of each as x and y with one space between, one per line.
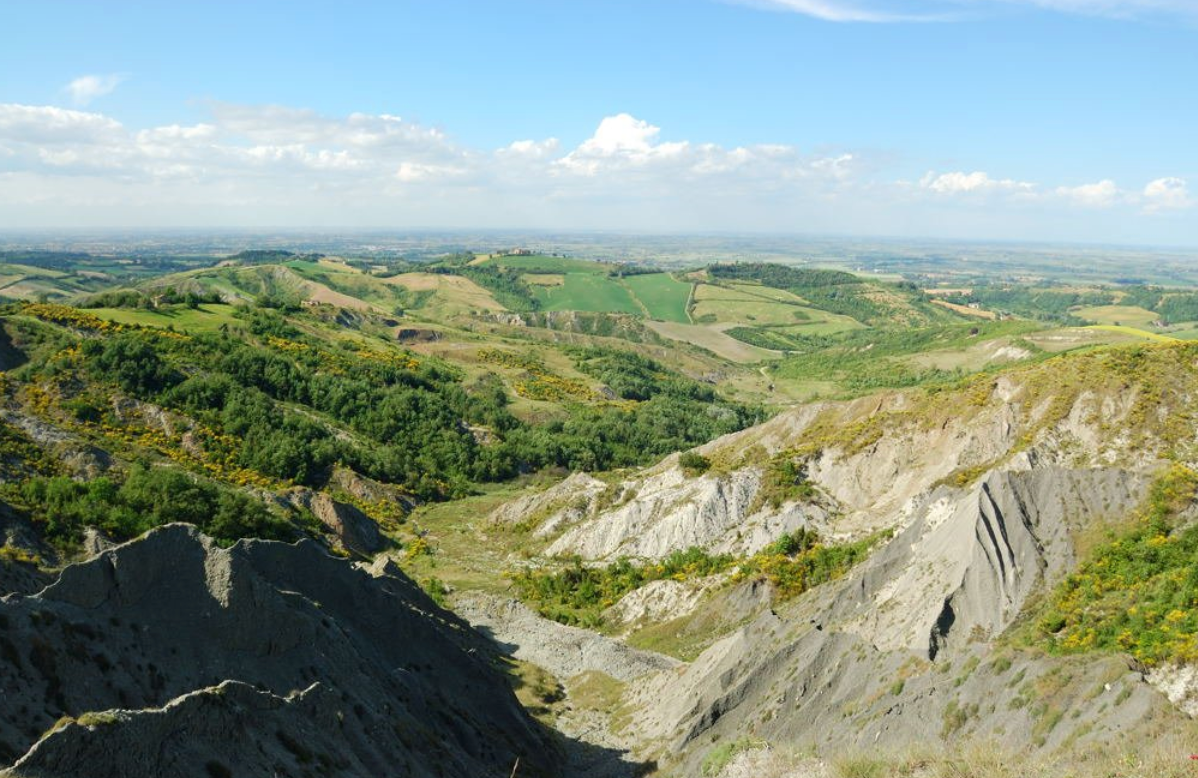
964 567
826 669
1180 684
665 511
356 531
864 484
564 651
566 502
330 664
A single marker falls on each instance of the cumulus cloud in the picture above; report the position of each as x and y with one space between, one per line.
85 89
620 140
977 182
1167 194
531 149
1102 194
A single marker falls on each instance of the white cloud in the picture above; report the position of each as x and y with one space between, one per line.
278 165
840 11
414 172
176 132
978 182
1167 194
620 140
85 89
890 11
531 149
1102 194
48 124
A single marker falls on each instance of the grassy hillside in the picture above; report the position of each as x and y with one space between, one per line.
249 396
33 275
587 292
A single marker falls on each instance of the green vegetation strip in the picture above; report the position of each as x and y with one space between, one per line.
865 360
146 498
578 595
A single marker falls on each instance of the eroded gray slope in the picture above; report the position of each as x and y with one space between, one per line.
156 619
968 561
870 462
888 654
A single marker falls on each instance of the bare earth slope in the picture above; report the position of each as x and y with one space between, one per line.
271 657
987 491
872 460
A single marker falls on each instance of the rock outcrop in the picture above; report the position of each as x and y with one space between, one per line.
564 503
271 657
965 566
356 531
872 462
665 510
564 651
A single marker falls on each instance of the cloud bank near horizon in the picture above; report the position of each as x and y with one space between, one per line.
259 165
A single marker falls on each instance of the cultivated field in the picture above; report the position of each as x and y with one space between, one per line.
587 292
1126 315
449 294
711 338
663 296
750 303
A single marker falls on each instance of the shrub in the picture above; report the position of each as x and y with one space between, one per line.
1138 593
693 464
719 757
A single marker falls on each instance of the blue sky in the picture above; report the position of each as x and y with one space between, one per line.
1071 120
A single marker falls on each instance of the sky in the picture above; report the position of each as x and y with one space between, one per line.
1044 120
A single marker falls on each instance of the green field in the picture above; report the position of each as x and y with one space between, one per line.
822 323
1186 333
865 360
663 296
7 268
750 303
1127 315
205 318
587 292
1156 336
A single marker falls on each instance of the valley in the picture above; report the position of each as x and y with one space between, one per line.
563 512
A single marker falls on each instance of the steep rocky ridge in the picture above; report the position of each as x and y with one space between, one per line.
940 590
270 655
965 566
988 491
872 459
